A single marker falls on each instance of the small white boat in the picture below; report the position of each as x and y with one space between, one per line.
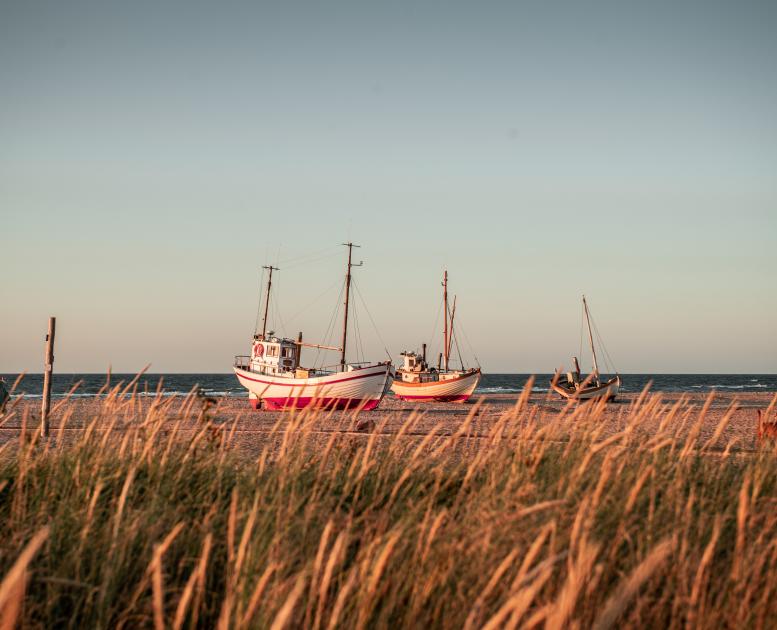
274 378
417 382
449 387
574 386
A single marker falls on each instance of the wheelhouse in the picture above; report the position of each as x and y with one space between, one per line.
274 355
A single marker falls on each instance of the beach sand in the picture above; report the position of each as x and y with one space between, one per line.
250 431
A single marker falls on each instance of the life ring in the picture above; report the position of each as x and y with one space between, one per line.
258 350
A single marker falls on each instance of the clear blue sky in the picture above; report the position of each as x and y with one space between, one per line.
154 154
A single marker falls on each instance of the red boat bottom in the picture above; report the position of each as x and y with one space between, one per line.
279 404
460 398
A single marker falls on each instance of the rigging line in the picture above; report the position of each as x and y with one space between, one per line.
311 261
372 321
357 333
582 335
607 357
271 319
454 346
276 311
259 307
295 259
595 335
330 328
361 338
433 336
316 299
353 319
582 324
466 339
451 334
458 351
329 332
609 363
278 320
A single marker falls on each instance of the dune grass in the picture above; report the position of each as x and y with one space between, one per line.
538 525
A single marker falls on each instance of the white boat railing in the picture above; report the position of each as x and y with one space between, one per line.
243 362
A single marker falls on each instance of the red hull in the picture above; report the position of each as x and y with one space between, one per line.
279 404
458 398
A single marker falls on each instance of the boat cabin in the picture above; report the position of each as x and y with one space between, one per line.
415 369
274 355
413 362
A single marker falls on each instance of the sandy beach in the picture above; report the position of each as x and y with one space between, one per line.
733 416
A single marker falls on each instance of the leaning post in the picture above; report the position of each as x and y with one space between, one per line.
47 370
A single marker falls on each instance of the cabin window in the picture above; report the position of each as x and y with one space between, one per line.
288 353
272 351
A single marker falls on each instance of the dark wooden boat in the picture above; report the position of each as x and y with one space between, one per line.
574 386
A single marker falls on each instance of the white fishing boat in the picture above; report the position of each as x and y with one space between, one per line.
573 385
417 381
275 378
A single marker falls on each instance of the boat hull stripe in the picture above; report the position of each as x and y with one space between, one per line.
460 398
316 384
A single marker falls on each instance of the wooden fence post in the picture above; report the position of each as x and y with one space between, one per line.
47 370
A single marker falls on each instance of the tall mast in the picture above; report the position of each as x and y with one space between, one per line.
350 247
445 315
267 299
591 338
450 327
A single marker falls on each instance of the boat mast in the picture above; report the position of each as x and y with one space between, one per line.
445 314
450 328
591 340
350 247
270 268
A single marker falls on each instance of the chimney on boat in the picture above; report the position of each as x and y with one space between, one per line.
423 356
439 362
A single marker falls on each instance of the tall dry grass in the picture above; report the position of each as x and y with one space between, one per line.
136 522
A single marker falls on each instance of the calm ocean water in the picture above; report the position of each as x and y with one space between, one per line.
227 385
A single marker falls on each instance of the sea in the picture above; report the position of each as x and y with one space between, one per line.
89 385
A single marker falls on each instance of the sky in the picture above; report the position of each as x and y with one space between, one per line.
154 155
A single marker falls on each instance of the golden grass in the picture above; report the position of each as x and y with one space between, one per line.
540 523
